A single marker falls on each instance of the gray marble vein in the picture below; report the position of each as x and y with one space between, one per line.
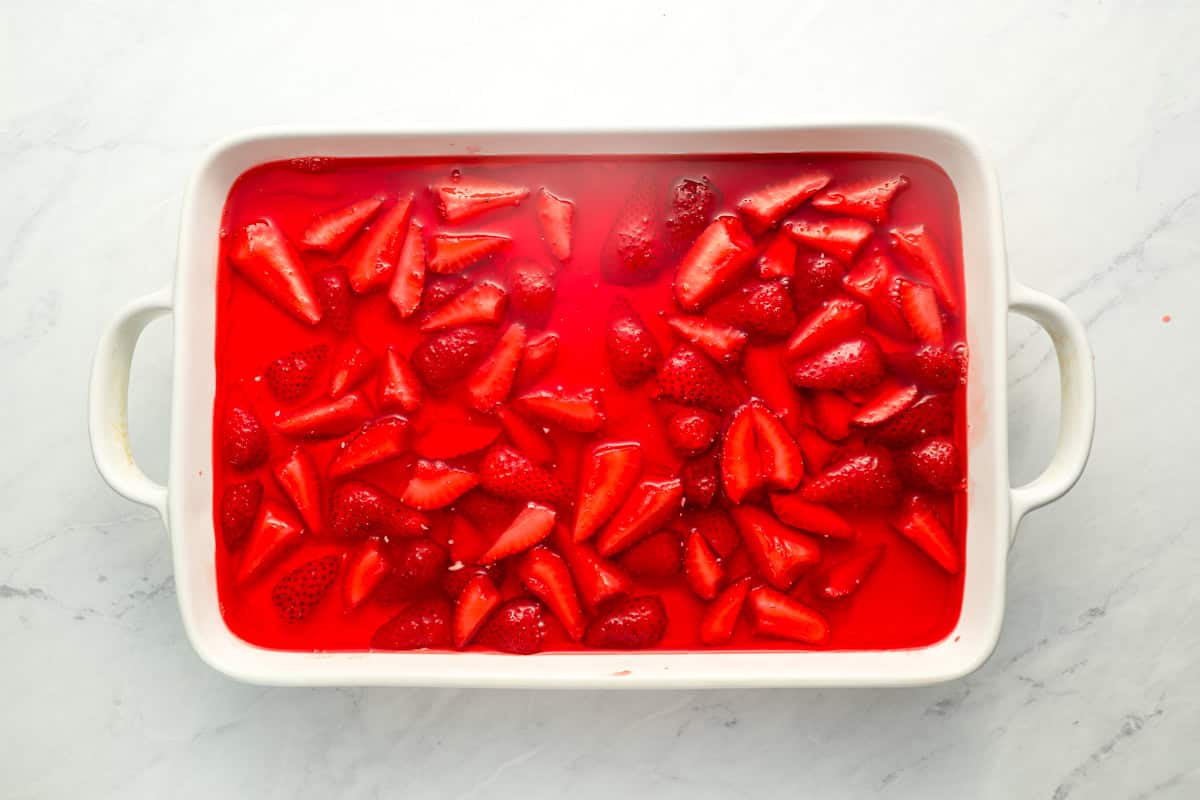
1091 111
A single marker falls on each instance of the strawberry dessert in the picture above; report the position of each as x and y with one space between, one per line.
592 403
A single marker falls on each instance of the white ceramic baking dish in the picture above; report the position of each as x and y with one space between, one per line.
994 508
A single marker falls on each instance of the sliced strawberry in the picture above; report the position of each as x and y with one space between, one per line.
301 483
932 415
690 378
506 473
873 281
931 464
741 461
332 287
351 365
263 256
532 285
332 231
762 369
399 387
445 357
492 380
275 532
796 512
776 614
837 321
841 237
854 364
531 526
422 625
483 303
919 247
632 624
717 259
780 554
655 558
358 509
597 579
633 251
763 308
526 437
244 442
919 306
417 568
301 590
778 260
918 521
766 207
239 507
450 253
691 431
366 568
782 461
408 280
648 507
540 354
462 198
817 450
436 484
721 342
843 578
701 567
453 438
557 219
868 199
935 367
715 526
325 419
700 479
831 413
889 401
441 289
374 258
581 412
609 473
818 278
692 205
865 477
633 352
478 599
290 376
515 627
720 618
544 573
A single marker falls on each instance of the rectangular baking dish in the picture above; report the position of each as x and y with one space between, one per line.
994 508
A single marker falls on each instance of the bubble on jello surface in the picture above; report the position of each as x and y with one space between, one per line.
311 163
456 174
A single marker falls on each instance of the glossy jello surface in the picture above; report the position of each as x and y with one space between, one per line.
528 404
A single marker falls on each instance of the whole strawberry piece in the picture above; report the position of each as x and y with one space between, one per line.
763 308
939 368
931 464
244 440
420 625
692 205
531 285
633 251
417 567
633 353
359 509
932 415
854 364
691 378
863 478
515 627
239 507
700 480
332 287
631 624
298 592
817 278
692 430
290 376
448 356
506 473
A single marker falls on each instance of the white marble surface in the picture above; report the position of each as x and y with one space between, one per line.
1090 109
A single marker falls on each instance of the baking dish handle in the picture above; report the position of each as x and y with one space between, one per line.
108 402
1077 420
